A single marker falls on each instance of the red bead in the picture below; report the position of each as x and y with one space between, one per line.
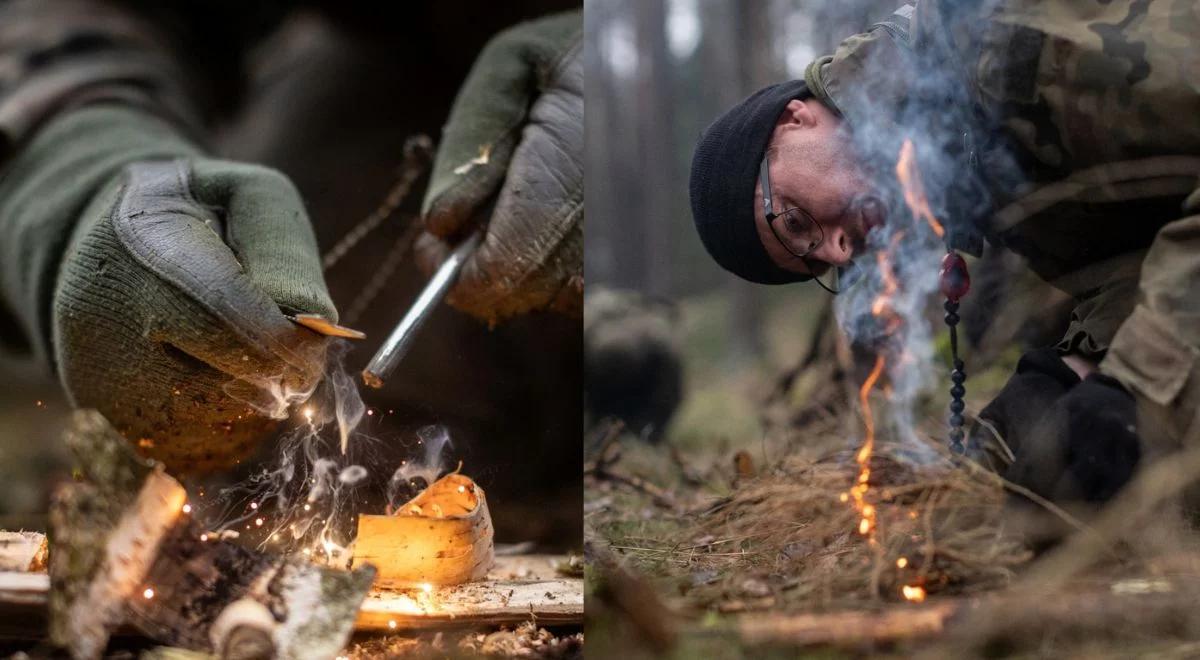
955 281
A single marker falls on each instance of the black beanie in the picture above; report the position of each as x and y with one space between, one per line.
724 173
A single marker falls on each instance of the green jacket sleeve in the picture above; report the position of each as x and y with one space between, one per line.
61 55
1156 350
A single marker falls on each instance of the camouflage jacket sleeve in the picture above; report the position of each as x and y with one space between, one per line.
1096 102
62 54
177 61
1156 349
1083 125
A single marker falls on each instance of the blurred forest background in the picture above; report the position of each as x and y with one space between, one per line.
658 72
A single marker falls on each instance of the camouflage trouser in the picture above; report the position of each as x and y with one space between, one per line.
1155 351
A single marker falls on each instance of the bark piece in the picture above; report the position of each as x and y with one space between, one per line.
443 536
22 551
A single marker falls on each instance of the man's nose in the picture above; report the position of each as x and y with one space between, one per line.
836 249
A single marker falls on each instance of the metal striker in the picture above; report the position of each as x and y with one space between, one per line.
955 282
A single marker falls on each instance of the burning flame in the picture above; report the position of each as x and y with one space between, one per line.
866 525
883 307
914 189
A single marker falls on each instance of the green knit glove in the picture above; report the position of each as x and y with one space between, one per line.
511 158
168 313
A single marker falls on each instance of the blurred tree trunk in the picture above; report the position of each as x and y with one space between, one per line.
756 67
598 122
616 251
654 107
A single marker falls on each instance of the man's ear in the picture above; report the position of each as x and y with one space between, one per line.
798 114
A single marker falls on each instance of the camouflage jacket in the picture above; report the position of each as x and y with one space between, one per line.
1067 131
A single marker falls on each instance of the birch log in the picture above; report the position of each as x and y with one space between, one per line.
125 553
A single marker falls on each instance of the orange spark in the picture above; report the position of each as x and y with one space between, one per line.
914 189
915 594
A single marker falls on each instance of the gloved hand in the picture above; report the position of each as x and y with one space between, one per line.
168 310
511 159
1086 446
1041 378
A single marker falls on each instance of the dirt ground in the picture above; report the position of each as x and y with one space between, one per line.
726 545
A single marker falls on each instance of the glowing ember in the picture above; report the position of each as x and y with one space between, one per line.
913 593
258 522
187 508
254 505
203 537
914 189
426 587
902 562
392 624
148 593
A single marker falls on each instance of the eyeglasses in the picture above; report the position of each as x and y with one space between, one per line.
797 231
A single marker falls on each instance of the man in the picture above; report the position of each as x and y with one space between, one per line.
158 166
1068 132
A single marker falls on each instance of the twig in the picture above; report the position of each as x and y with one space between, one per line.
660 496
418 154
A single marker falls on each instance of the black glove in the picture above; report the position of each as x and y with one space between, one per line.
1040 380
1085 448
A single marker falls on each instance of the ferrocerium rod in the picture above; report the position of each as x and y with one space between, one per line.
401 339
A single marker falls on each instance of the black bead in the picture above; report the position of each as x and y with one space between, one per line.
952 319
958 364
956 434
958 377
958 391
950 306
956 420
956 406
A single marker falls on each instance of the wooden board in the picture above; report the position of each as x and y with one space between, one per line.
517 589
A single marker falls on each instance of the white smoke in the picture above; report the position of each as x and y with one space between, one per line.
922 98
414 475
306 498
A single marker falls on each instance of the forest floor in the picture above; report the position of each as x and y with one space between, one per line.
746 542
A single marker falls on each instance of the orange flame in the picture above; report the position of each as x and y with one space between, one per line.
913 593
866 525
914 189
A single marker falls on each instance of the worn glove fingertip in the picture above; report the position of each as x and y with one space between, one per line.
462 187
